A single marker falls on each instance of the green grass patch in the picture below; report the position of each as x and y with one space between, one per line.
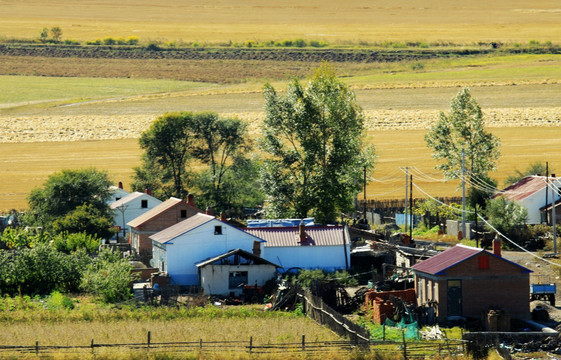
19 89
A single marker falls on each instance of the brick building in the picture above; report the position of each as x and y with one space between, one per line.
466 281
166 214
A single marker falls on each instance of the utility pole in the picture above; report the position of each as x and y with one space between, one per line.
553 219
463 193
411 209
406 188
546 192
366 222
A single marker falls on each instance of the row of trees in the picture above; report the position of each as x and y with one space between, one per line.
313 140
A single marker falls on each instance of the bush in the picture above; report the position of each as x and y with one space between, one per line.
132 40
108 277
40 270
109 41
69 243
57 301
153 47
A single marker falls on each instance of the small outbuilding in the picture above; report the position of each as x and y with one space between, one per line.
464 281
229 273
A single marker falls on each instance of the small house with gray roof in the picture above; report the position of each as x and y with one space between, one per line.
464 281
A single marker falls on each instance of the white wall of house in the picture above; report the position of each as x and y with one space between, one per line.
215 279
179 256
116 194
309 257
534 202
133 209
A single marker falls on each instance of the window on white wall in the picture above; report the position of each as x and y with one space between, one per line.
237 279
218 230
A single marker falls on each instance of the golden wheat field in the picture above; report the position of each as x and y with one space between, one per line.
74 112
334 21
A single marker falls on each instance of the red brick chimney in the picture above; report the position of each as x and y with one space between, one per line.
191 200
148 191
497 246
208 211
120 184
223 217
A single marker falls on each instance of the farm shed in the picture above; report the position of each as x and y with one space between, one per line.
177 249
307 247
466 281
130 207
226 274
530 193
166 214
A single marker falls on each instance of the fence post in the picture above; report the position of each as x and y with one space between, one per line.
148 340
250 344
404 345
200 344
37 348
303 342
92 346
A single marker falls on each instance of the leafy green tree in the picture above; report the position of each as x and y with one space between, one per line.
239 186
44 36
64 191
88 219
167 144
463 129
217 143
18 238
109 277
314 136
507 217
56 33
175 141
533 169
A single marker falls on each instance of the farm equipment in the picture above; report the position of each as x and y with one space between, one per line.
544 292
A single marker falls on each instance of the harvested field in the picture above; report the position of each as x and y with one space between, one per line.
331 20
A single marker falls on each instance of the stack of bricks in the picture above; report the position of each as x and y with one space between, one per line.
380 304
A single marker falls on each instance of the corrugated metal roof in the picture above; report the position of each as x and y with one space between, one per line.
126 199
289 236
524 187
437 264
182 227
446 259
168 204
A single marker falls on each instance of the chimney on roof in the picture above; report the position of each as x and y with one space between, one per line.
120 184
148 191
208 210
302 232
191 200
257 248
223 217
497 246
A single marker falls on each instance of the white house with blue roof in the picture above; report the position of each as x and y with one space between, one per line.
178 249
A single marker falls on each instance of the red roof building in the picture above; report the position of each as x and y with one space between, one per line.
530 192
466 282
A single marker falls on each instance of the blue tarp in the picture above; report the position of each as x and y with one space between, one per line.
279 222
400 219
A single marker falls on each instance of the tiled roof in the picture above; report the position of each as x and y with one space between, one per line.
182 227
126 199
289 236
524 187
168 204
437 264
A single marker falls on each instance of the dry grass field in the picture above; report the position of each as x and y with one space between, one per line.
334 21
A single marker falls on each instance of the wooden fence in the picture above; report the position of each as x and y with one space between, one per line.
319 311
396 204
